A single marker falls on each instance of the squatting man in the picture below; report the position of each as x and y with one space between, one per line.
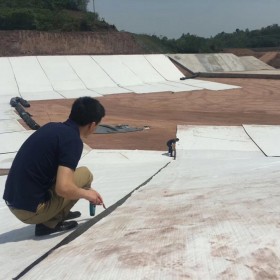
44 182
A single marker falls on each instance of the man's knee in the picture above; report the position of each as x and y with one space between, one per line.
83 177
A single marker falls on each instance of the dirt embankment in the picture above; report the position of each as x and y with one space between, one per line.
272 59
17 43
25 42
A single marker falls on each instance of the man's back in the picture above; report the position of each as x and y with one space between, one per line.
34 168
170 142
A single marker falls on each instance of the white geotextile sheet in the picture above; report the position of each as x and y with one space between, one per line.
12 141
86 150
165 86
148 88
182 86
78 93
111 90
204 216
41 95
142 68
208 84
30 75
267 137
137 74
116 173
10 126
8 85
31 79
223 138
5 99
56 77
177 86
60 73
126 168
7 112
92 75
164 67
6 160
119 72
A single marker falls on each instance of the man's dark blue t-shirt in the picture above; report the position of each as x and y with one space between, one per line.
34 168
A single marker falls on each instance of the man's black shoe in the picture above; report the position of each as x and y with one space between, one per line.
73 215
41 229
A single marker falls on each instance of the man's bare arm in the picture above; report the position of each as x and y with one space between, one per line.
65 186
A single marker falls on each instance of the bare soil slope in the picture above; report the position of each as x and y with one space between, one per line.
16 43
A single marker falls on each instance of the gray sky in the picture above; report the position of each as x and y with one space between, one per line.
172 18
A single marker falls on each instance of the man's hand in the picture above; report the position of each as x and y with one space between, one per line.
94 197
66 187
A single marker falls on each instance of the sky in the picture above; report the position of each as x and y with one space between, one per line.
172 18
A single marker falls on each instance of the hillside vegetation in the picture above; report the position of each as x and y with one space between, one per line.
50 15
267 37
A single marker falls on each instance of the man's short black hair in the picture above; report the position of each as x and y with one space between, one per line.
86 110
